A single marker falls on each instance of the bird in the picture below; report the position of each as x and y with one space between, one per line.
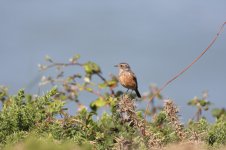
127 78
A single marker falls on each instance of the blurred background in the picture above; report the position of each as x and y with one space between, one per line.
157 38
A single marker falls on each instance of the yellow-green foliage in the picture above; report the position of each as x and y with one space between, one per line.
42 122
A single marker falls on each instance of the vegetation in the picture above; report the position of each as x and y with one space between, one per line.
43 122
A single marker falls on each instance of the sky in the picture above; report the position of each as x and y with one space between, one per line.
157 38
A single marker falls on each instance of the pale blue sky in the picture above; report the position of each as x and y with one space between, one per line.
157 38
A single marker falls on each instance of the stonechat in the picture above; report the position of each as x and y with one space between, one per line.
127 78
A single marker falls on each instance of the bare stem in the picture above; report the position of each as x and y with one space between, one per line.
186 68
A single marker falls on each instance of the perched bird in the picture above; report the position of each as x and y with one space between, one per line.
127 78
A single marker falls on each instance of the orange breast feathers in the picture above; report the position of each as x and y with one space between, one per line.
128 80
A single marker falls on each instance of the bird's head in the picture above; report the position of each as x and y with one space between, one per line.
123 66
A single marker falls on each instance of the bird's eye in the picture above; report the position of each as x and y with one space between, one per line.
121 65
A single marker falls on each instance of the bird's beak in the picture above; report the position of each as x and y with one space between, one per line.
115 65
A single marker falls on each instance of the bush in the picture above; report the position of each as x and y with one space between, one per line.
42 122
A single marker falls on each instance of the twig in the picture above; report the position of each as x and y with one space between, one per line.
105 81
78 64
185 69
62 64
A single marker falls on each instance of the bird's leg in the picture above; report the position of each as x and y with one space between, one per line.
131 92
127 91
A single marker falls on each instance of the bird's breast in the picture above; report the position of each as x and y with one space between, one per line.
127 80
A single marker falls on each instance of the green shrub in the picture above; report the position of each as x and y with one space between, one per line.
41 122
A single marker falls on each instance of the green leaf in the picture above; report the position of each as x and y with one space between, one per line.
21 94
192 102
53 91
112 83
89 89
99 102
77 56
159 96
102 85
91 68
217 113
56 106
74 58
204 102
112 101
48 58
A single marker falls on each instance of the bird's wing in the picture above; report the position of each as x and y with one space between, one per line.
135 79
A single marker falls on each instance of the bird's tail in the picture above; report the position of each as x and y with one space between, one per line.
138 93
